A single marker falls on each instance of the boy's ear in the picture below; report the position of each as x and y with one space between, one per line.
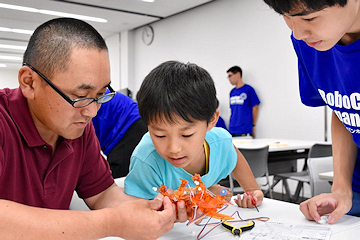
26 82
214 120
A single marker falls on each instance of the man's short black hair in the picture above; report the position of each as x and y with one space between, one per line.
51 44
285 6
177 89
235 70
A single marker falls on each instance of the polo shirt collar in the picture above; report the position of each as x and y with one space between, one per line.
20 113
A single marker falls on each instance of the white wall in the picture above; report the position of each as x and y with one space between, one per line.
8 78
245 33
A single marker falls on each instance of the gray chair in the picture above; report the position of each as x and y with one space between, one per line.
317 166
316 151
257 159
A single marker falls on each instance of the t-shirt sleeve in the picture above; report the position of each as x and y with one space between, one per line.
309 95
141 180
254 97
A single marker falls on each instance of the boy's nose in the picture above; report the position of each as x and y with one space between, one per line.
174 145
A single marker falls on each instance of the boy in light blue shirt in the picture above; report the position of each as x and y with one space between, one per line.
178 103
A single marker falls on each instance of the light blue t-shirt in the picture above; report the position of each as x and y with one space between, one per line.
148 169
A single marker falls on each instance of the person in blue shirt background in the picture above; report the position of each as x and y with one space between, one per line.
325 35
119 128
244 105
221 123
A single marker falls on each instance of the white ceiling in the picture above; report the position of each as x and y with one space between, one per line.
122 15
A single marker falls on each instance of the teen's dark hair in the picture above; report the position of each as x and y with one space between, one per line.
177 89
285 6
235 69
50 46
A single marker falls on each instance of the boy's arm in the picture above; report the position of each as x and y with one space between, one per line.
339 201
21 221
244 176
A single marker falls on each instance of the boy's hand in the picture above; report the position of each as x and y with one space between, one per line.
216 188
245 200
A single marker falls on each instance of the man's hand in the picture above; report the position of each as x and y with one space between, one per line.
142 219
337 204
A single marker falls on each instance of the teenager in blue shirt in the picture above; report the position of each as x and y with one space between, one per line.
178 103
326 40
119 129
244 105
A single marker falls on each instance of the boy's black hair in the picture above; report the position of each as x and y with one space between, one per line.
285 6
177 89
51 44
235 69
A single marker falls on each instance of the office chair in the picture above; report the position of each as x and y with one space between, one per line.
317 166
257 159
316 151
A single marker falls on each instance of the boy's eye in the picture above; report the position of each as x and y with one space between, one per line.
309 19
159 136
189 135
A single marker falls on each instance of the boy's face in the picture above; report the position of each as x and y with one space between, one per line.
181 143
325 28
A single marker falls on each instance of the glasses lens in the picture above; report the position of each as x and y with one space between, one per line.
105 98
83 102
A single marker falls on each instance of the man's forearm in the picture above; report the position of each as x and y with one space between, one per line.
19 221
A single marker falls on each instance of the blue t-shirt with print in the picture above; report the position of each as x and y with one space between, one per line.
242 101
148 169
332 77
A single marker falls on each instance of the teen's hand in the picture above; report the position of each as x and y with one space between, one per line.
336 203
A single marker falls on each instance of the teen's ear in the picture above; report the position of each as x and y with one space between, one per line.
26 82
214 120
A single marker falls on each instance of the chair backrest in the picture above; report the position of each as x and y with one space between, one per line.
316 166
257 159
320 150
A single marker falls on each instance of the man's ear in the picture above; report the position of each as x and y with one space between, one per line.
214 120
26 82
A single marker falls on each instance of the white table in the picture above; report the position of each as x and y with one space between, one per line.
283 153
328 176
283 156
348 227
275 145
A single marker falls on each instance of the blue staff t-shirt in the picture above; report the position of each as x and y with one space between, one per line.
242 101
332 77
113 119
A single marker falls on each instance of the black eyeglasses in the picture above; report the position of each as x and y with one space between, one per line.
230 75
80 102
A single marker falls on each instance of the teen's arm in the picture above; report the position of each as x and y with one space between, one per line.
244 176
339 201
255 113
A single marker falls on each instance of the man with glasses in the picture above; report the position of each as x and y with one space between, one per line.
48 146
244 105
